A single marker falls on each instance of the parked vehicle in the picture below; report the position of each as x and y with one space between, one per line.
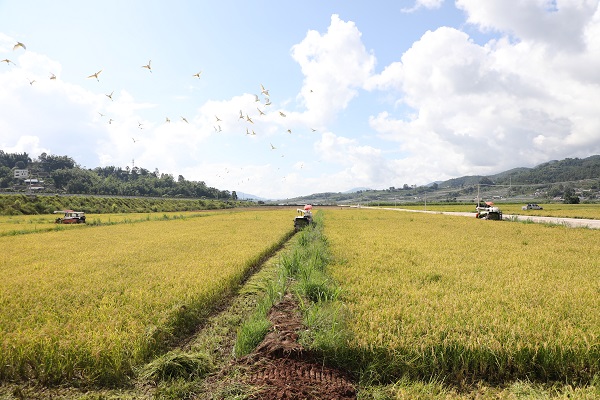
532 206
70 217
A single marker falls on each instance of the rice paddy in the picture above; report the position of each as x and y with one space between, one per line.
462 299
428 297
91 304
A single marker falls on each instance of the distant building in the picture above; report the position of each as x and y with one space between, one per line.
21 173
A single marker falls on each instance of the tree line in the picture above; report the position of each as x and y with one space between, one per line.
61 174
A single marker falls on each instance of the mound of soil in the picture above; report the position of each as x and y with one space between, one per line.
282 369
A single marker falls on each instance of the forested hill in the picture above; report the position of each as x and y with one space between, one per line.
567 170
60 174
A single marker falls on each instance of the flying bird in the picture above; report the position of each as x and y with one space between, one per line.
272 147
110 121
263 90
253 133
167 120
134 141
19 44
218 119
247 131
110 95
148 66
268 102
289 131
31 81
140 125
197 74
249 119
259 110
52 76
7 61
313 129
101 115
220 130
282 114
95 75
184 120
241 115
256 98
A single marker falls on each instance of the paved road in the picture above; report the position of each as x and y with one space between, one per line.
570 222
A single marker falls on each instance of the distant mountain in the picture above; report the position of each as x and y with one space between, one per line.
248 196
462 181
567 170
357 189
433 183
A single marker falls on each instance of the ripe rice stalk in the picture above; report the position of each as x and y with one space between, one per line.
91 304
465 299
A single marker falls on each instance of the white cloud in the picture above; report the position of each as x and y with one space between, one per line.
482 109
26 144
360 165
559 23
334 65
429 4
57 114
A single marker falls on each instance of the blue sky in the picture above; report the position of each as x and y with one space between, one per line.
375 94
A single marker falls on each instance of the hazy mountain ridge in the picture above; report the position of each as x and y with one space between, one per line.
548 173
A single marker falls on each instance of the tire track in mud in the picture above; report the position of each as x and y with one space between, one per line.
280 368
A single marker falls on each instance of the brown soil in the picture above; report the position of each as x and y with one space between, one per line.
282 369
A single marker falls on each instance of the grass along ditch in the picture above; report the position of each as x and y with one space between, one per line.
270 354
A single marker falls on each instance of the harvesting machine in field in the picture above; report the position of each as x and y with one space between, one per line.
489 211
304 217
70 217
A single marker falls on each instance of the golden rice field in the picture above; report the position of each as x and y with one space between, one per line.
587 211
19 224
462 299
91 304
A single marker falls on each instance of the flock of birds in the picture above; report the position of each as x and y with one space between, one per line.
244 116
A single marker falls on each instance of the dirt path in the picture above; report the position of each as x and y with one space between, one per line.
281 368
570 222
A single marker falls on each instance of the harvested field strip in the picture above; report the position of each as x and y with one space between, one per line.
89 305
462 299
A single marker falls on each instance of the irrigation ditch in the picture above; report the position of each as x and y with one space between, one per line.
269 359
